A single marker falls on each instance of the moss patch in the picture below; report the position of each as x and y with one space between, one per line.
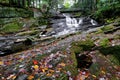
11 28
107 28
104 42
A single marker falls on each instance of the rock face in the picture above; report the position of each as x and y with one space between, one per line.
13 44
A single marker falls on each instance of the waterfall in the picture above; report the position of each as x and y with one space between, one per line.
75 23
93 22
80 21
71 25
71 22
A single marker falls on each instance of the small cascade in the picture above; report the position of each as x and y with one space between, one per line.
71 22
80 21
75 23
93 22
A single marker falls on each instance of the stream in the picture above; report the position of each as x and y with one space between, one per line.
11 44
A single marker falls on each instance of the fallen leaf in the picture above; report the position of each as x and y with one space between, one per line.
62 64
93 76
30 77
51 71
103 72
35 62
1 62
36 67
49 74
10 77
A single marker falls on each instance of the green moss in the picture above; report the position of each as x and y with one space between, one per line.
73 67
99 31
107 28
76 49
95 69
62 77
79 46
117 37
113 59
104 42
114 51
11 27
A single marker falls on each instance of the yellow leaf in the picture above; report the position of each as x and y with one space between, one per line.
49 75
14 77
103 72
94 76
59 69
38 79
36 67
62 64
30 77
51 71
45 68
1 63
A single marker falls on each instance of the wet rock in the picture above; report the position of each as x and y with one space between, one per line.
22 77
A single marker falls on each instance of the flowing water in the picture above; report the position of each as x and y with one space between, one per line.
71 25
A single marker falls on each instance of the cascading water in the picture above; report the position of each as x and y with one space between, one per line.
71 22
71 25
93 22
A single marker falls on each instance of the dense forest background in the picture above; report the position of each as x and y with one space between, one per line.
100 8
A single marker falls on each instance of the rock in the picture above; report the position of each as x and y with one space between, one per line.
22 77
19 40
28 41
1 53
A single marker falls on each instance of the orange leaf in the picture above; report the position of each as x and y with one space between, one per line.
62 64
30 77
35 62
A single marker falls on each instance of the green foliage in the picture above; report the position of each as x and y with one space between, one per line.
107 10
114 60
43 21
15 12
67 5
11 27
62 77
104 42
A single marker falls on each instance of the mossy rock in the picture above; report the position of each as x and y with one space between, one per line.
95 69
76 49
114 60
113 51
72 67
33 32
11 28
107 28
99 31
79 46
